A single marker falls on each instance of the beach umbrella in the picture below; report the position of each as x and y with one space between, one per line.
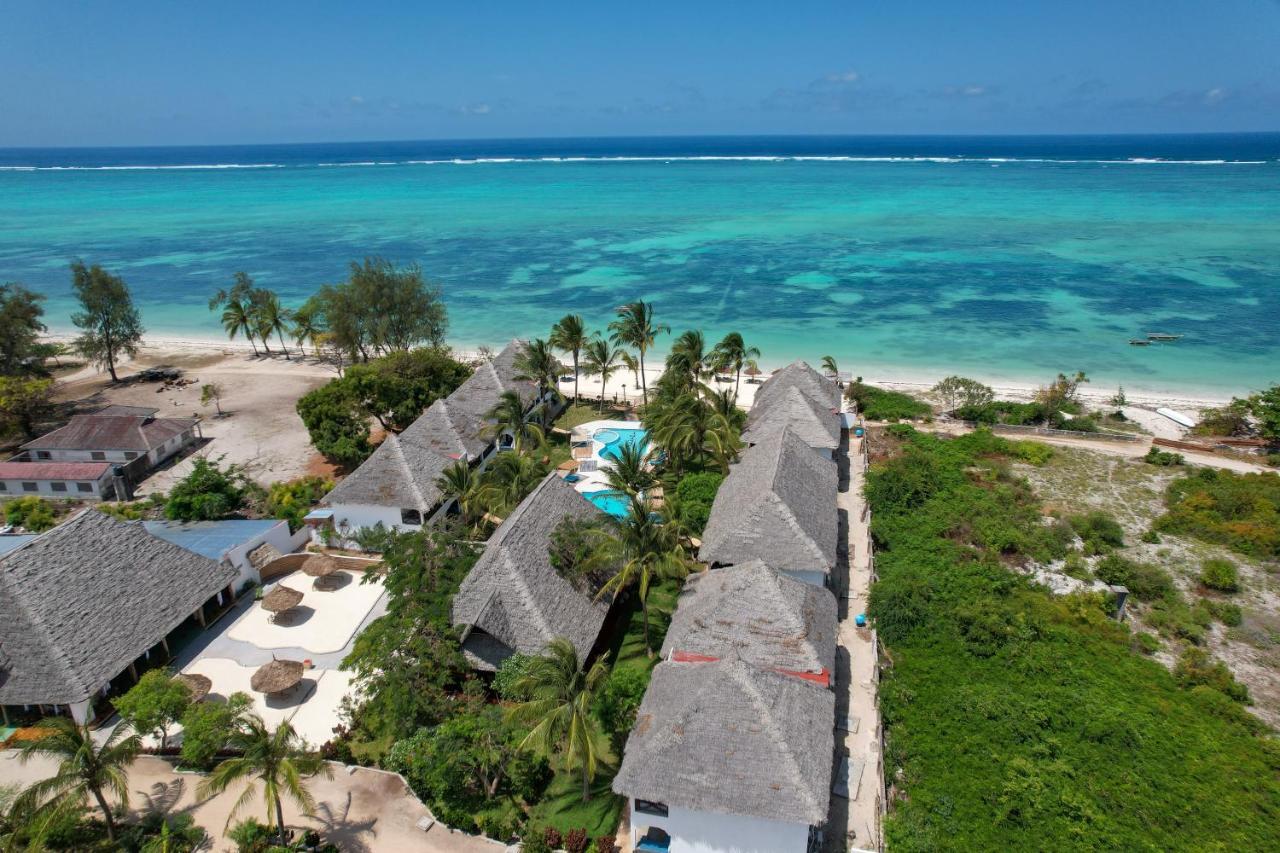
320 565
276 676
199 685
280 599
752 370
262 555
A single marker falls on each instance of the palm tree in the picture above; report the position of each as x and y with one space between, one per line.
629 361
642 548
570 335
635 328
688 361
733 352
278 759
601 360
628 471
85 769
308 326
538 363
459 481
559 708
236 316
270 316
829 365
509 416
508 480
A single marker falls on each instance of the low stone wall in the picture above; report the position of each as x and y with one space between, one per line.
1019 429
282 566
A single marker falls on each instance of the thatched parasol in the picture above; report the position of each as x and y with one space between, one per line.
280 599
199 685
276 676
752 370
320 565
262 555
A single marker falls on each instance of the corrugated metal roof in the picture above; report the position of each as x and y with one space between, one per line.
210 539
53 470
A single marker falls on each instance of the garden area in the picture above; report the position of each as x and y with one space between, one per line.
1014 715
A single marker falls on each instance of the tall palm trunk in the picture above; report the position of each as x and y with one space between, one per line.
280 822
106 812
737 378
586 784
282 346
644 384
575 377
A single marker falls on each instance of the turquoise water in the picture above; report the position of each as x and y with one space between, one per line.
1004 268
622 438
615 503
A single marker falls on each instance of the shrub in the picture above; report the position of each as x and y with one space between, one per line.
1221 575
509 672
1082 424
292 500
1032 452
619 699
1227 613
1240 511
695 494
552 837
575 841
251 836
206 727
878 404
606 843
31 513
1156 456
1151 537
207 493
1145 581
1195 667
1099 531
338 427
154 704
534 842
1147 642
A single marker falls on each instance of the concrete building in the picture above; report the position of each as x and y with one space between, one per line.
82 480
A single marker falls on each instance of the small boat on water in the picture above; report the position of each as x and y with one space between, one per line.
1161 336
1139 342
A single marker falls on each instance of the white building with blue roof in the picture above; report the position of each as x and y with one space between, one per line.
232 540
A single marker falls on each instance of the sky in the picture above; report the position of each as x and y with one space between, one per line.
177 72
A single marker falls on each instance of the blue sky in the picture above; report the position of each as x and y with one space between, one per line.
138 73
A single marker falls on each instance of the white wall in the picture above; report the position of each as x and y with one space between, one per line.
357 516
708 832
44 489
815 578
278 537
80 456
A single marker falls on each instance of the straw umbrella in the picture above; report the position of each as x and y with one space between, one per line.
321 567
276 676
752 371
199 685
280 600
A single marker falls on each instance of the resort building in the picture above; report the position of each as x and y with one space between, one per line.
82 480
513 600
792 408
83 606
820 389
759 616
778 504
231 541
725 756
397 486
121 434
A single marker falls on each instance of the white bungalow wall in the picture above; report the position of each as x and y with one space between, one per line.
710 832
817 578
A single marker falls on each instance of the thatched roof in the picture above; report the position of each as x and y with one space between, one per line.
777 505
819 388
792 408
513 600
757 615
81 602
320 566
276 676
199 685
281 598
399 474
263 555
485 387
729 738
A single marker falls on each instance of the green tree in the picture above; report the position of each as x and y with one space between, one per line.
1265 408
461 483
691 432
292 500
234 303
20 328
308 325
629 471
508 479
277 760
207 728
398 387
537 363
109 322
1060 392
829 366
382 308
570 335
212 393
732 353
208 493
956 392
85 768
155 704
635 328
24 404
559 709
336 423
509 417
695 495
642 549
270 316
602 361
689 363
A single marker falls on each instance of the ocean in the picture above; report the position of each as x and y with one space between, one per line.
1003 258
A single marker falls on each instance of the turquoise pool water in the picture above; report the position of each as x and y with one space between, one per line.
615 503
615 439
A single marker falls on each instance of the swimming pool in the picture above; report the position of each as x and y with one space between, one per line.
613 502
614 439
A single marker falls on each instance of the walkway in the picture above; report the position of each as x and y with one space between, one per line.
854 822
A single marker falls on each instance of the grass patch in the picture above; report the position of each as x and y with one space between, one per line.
562 806
879 404
582 413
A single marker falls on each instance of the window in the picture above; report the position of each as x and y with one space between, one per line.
97 455
649 807
58 487
29 487
130 454
410 516
84 487
43 454
4 487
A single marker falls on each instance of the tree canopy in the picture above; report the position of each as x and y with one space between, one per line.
20 328
110 324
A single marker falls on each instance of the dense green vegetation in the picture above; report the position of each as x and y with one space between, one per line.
1240 511
209 492
879 404
1257 414
293 499
110 324
33 514
694 496
1017 720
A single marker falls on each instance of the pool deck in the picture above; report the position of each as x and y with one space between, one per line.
594 481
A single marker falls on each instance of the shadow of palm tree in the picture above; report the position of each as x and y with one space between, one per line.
163 796
337 828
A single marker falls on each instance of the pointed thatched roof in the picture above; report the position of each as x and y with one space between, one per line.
320 566
78 604
757 615
792 408
485 387
821 389
729 738
777 505
513 600
276 676
281 598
